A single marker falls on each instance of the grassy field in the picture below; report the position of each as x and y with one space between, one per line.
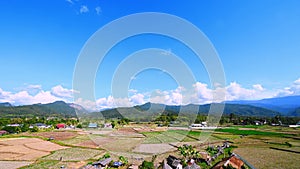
264 158
237 131
74 154
26 149
254 145
51 164
171 136
76 140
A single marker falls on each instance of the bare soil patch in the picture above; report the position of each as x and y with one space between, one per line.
88 143
74 154
57 135
154 148
26 148
13 164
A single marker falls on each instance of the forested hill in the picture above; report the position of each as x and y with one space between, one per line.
6 104
57 109
150 109
285 105
295 113
62 109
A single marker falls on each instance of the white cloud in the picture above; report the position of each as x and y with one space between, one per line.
111 102
4 96
236 92
70 1
39 87
84 9
98 10
26 95
24 98
137 99
132 91
172 97
297 82
294 89
59 91
199 93
258 87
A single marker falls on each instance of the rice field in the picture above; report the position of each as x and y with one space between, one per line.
79 148
264 158
74 154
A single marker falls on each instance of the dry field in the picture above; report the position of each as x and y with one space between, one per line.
26 149
13 164
256 149
264 158
57 135
154 148
74 154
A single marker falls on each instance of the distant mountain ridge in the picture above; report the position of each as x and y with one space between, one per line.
148 110
295 113
285 105
5 104
56 109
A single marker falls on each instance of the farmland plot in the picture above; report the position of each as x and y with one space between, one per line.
26 148
74 154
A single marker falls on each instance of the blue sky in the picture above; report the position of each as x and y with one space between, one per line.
257 42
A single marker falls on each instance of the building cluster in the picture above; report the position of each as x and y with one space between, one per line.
233 161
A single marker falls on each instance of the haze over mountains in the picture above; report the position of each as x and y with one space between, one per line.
285 106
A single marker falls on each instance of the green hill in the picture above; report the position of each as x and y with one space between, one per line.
295 113
57 109
150 110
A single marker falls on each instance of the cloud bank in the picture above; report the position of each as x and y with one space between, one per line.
198 93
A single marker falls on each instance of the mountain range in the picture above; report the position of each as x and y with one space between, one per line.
284 106
149 110
55 109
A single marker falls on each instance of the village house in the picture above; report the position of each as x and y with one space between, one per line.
172 163
192 165
107 125
229 161
40 125
102 163
60 126
258 123
296 125
92 125
2 132
13 125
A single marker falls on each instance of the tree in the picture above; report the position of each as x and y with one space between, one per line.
188 152
25 127
231 117
147 165
113 124
34 129
123 160
79 126
12 129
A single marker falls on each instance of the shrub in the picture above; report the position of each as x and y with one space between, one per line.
147 165
107 155
79 126
123 160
